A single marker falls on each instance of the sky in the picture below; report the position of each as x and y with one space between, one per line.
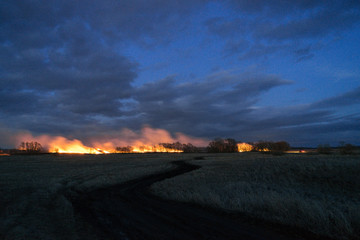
249 70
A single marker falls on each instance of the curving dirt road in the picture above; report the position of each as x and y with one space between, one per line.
129 211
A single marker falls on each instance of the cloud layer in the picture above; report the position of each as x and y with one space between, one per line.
71 68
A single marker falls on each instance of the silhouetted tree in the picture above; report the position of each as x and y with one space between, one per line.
31 147
189 148
177 146
263 146
281 146
278 148
220 145
127 149
346 149
186 148
166 145
272 147
216 145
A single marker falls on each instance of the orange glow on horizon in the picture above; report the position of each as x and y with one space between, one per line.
63 145
244 147
150 149
79 149
264 150
148 140
76 147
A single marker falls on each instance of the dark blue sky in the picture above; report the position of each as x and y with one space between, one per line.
250 70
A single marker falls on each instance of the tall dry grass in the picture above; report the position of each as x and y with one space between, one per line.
32 189
317 193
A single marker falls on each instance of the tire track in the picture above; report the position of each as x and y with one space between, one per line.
130 211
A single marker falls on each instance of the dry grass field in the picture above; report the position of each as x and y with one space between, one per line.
315 192
319 193
32 189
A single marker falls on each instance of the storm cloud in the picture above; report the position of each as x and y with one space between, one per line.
78 68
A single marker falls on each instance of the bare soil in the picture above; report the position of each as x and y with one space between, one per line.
130 211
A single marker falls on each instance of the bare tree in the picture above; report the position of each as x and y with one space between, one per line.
220 145
31 147
127 149
346 148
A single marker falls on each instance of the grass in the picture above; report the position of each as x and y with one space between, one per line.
313 192
32 189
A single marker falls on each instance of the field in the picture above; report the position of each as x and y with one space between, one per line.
319 193
32 189
314 192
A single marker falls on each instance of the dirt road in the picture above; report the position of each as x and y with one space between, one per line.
129 211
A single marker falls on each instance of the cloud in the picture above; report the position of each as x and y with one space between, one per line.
324 121
212 105
53 63
66 66
279 8
346 99
138 20
280 26
89 84
314 26
331 132
124 137
199 107
59 57
225 27
274 7
19 101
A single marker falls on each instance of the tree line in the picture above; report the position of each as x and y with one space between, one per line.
28 148
186 148
218 145
229 145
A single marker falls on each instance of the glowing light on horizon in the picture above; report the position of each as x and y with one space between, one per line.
244 147
147 141
150 149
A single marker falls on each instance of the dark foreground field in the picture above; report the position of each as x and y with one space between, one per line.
112 197
129 211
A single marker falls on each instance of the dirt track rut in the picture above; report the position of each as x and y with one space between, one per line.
130 211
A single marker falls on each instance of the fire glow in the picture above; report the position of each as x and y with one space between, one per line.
147 141
158 148
63 145
244 147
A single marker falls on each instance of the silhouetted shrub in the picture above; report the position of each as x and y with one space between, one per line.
347 149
